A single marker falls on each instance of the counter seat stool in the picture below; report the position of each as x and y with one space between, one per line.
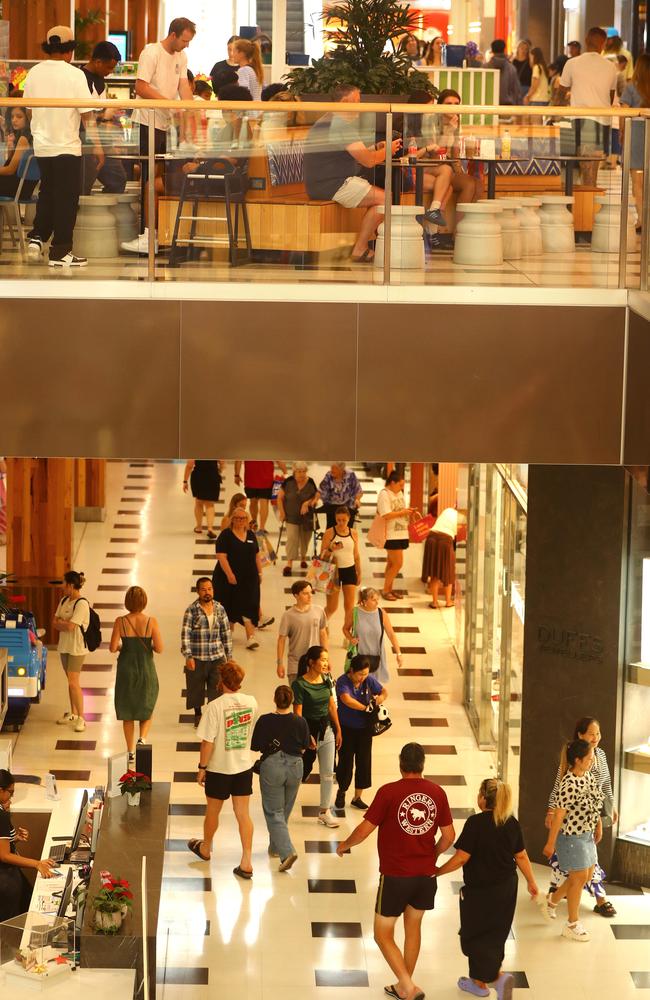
605 236
216 180
530 226
510 228
125 215
558 234
479 238
95 231
406 239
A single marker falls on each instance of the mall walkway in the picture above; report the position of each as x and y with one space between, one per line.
305 934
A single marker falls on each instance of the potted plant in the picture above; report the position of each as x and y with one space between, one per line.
363 29
132 783
111 904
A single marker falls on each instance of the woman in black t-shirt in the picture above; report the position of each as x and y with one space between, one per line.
15 890
282 737
489 849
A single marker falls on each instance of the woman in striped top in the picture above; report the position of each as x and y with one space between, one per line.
588 729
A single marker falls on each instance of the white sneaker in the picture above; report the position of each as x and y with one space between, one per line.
252 644
575 932
139 245
80 725
287 863
547 908
328 819
34 248
68 261
66 718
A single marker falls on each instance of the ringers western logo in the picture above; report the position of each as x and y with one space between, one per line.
417 814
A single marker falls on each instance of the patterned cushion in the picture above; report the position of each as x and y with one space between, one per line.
286 162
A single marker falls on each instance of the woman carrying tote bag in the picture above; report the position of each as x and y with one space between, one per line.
365 628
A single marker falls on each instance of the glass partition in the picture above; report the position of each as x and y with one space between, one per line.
300 191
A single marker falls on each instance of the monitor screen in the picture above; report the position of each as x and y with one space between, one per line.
121 40
81 822
66 895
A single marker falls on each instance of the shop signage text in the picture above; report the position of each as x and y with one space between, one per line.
571 643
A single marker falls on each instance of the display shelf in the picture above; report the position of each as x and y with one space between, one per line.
638 673
638 759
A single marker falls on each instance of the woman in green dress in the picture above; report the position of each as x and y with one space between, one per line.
136 686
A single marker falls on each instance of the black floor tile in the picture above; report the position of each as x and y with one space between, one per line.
446 779
114 606
622 890
137 500
97 668
185 976
641 980
123 541
205 555
116 587
322 847
341 977
186 776
128 486
115 572
421 696
412 649
429 723
186 718
380 576
138 475
121 555
414 672
381 559
193 746
187 884
399 611
462 812
65 775
336 929
130 513
75 745
311 812
446 749
631 932
331 885
121 526
406 628
186 809
520 979
141 465
27 779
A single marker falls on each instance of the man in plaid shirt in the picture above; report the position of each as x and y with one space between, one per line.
206 643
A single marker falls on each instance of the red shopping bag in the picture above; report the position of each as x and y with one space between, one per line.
420 527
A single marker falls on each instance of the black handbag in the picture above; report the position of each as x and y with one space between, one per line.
273 747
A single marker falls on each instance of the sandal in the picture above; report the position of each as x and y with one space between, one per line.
605 909
242 873
198 531
286 571
390 596
195 848
366 257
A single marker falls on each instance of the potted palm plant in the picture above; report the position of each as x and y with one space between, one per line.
364 35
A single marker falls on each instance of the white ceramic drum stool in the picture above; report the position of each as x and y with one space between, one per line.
478 234
406 239
510 228
95 231
558 234
605 237
530 226
124 212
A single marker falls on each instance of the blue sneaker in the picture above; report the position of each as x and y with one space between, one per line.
504 985
435 217
468 985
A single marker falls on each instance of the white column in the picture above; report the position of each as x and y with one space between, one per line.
279 39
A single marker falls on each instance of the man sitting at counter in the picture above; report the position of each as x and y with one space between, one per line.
15 890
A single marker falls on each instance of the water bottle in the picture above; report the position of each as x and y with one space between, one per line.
412 153
506 146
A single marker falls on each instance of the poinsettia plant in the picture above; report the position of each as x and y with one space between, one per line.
115 895
134 781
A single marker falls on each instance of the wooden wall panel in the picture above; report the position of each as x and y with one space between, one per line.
30 20
90 482
40 498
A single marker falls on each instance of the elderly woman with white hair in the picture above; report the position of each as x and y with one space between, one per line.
296 501
340 488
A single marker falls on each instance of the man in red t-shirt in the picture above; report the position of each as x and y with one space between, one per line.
258 486
408 813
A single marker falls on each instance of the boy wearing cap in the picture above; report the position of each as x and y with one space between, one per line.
57 147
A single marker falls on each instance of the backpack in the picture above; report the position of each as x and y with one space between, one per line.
93 634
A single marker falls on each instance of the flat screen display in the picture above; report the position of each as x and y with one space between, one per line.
121 40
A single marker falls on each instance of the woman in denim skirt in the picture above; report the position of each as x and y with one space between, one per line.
574 833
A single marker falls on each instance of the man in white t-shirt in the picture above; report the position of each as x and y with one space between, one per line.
304 625
57 147
591 79
162 75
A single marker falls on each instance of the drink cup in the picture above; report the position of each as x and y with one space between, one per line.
442 152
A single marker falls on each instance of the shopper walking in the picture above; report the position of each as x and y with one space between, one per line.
489 850
587 728
357 693
162 75
282 737
575 830
637 95
204 480
57 147
71 619
226 765
521 62
439 558
408 814
341 545
301 626
539 92
365 630
15 890
339 488
297 498
392 507
136 637
206 644
315 702
258 487
238 575
236 500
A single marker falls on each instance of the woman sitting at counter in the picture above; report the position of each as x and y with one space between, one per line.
15 890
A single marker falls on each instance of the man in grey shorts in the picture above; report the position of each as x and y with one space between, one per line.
206 643
335 156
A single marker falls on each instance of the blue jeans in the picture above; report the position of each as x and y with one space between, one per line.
325 752
280 777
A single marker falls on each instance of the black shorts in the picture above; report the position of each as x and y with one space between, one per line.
397 543
222 786
347 576
259 492
395 894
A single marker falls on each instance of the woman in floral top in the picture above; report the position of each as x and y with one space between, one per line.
574 833
340 488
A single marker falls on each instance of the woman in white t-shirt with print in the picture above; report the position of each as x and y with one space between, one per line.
392 507
71 619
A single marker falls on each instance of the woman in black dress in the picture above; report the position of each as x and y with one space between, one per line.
238 574
204 479
489 849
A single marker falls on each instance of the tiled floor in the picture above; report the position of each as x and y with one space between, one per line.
306 934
